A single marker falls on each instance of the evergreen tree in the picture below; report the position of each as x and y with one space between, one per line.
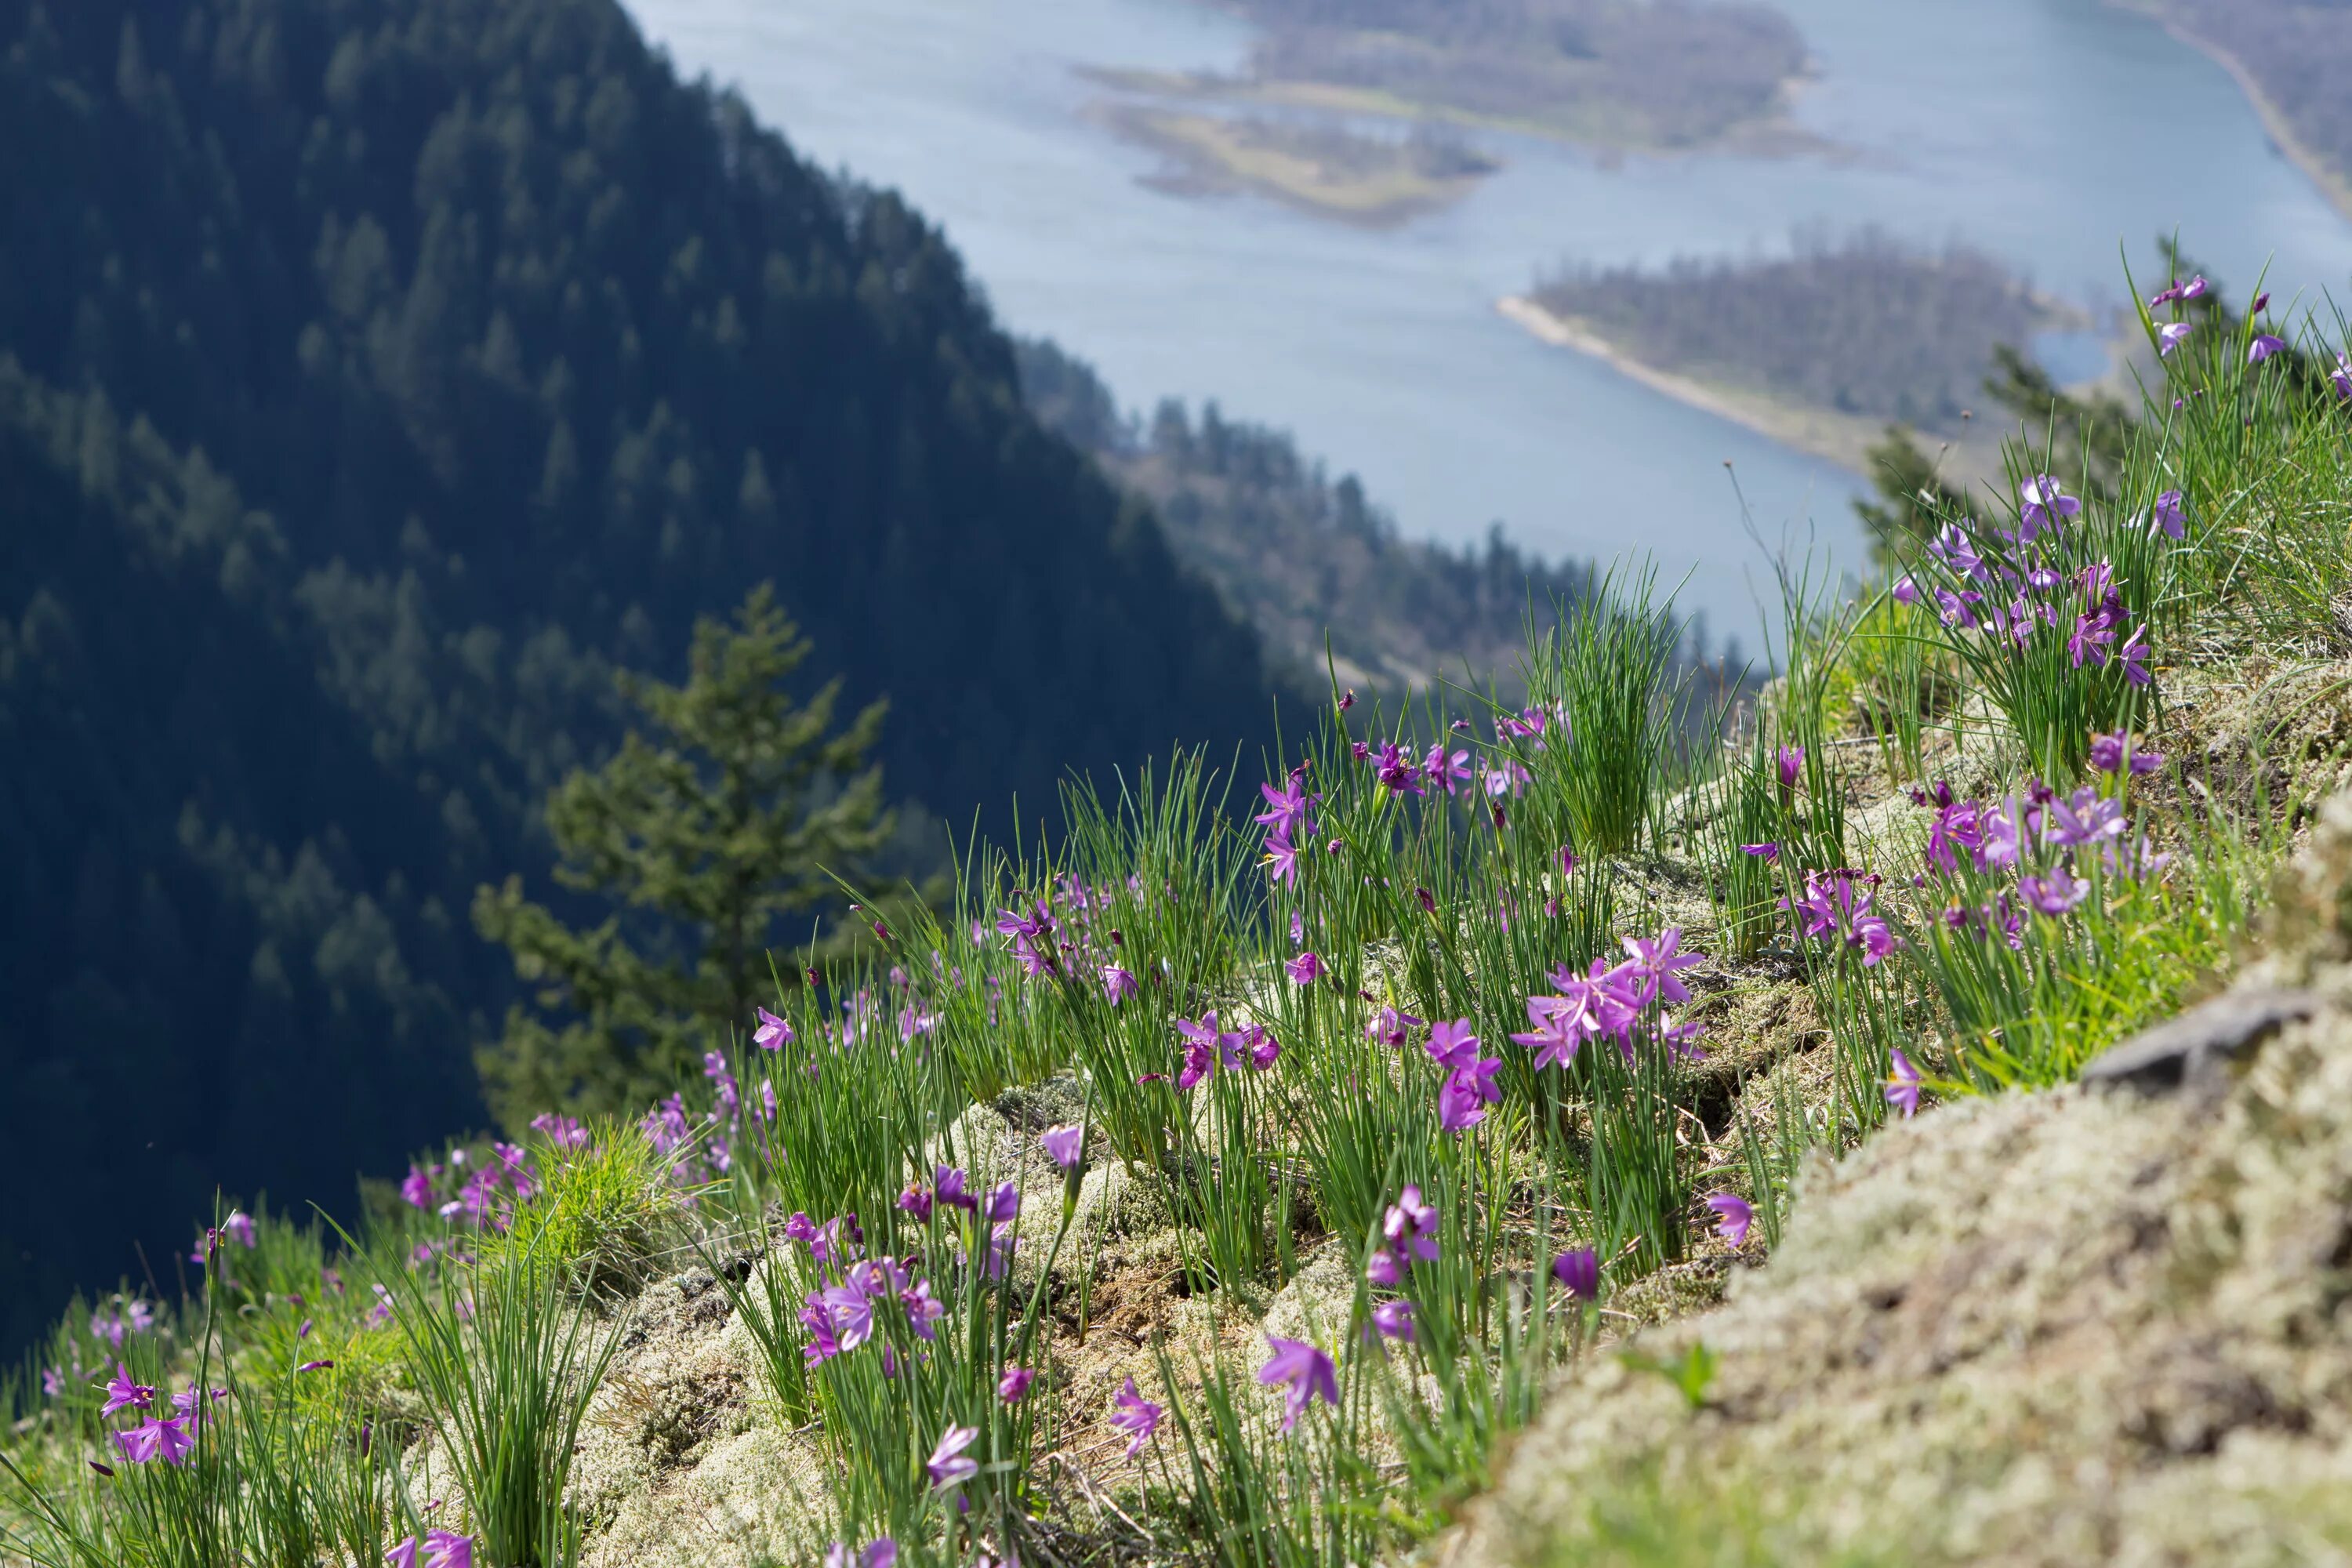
735 817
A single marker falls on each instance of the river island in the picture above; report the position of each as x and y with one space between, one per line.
1615 74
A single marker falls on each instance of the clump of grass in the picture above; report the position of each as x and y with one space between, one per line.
509 1357
1607 673
606 1215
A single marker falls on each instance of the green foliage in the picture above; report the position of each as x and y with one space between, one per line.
743 812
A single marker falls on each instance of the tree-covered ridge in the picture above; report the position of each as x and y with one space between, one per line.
233 941
383 374
491 268
1305 556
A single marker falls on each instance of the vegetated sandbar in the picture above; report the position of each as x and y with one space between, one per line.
2181 21
1822 348
1769 135
1322 169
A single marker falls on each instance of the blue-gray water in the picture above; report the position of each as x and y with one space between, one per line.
2050 131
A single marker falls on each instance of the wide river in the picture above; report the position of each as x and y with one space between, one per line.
2052 131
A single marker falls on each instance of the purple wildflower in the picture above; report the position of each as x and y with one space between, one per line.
1462 1102
2171 336
1409 1231
1579 1273
2170 516
772 1034
1307 1370
714 1068
1304 970
2086 817
949 1465
1906 591
1282 856
948 1183
997 1261
1014 1384
1393 1027
2264 345
123 1394
1397 771
1657 965
165 1440
1791 764
2134 655
2341 377
1289 806
1136 1416
1955 549
1902 1086
923 1309
1394 1318
2113 754
1766 852
1117 984
2054 894
1561 1026
1451 1044
1062 1144
418 1188
2043 502
852 1315
1733 1217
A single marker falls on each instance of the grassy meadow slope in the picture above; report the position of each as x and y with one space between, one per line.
1201 1189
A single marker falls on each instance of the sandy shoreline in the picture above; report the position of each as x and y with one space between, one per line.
1844 439
2336 187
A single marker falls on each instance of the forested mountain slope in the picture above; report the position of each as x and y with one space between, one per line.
380 375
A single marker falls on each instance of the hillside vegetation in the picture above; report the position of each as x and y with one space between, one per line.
1208 1188
1314 563
376 377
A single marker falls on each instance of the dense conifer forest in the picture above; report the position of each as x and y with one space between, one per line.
377 378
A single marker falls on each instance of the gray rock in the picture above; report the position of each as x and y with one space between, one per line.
2193 1048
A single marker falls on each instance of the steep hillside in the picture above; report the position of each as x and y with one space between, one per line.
1312 562
459 353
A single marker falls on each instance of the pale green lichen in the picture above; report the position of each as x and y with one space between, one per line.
2047 1329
